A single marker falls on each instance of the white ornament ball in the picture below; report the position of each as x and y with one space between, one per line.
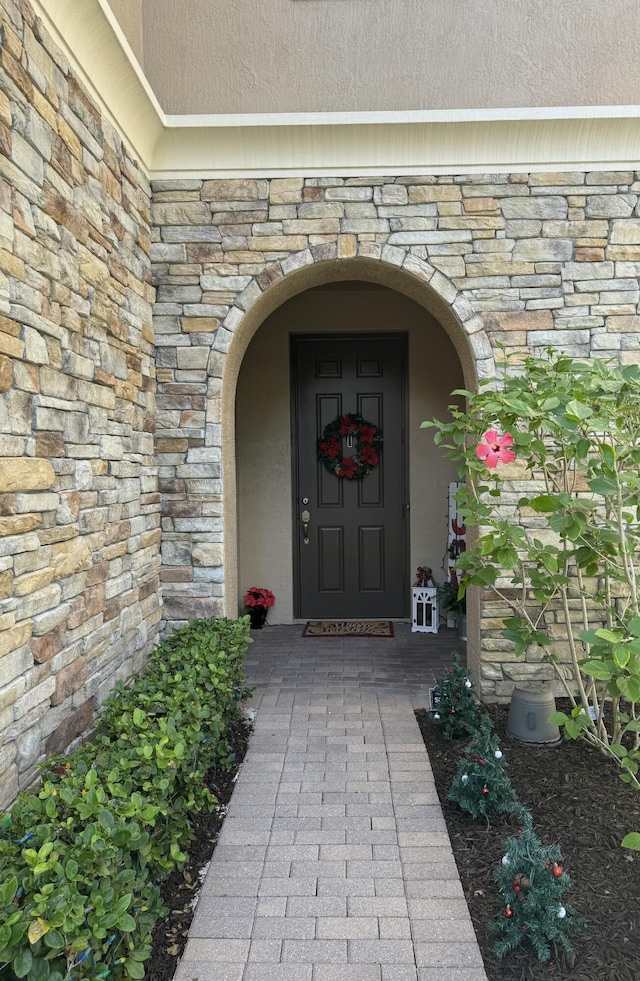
467 684
506 860
562 913
464 777
498 754
436 715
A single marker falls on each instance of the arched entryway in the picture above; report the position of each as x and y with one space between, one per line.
448 348
400 354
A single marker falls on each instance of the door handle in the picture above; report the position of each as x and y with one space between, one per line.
305 518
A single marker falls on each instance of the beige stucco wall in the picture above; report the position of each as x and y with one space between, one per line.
263 434
210 56
129 14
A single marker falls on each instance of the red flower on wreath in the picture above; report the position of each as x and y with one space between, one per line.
347 426
368 446
369 455
348 468
367 433
330 448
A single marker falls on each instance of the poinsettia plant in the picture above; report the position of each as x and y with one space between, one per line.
257 596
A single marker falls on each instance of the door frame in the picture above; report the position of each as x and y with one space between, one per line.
402 337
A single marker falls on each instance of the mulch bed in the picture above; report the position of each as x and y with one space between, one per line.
179 890
578 802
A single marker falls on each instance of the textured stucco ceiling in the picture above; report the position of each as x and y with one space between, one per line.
241 56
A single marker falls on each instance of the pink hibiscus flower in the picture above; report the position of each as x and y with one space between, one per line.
494 449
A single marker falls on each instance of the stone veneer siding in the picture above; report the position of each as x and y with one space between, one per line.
524 260
79 506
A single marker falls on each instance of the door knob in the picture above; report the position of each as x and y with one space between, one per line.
305 517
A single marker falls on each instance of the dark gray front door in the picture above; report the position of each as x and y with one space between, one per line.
351 562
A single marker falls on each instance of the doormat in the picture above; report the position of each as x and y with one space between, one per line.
348 628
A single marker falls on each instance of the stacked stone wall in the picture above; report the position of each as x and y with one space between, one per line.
523 260
501 668
79 505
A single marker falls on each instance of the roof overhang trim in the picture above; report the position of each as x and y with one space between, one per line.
563 139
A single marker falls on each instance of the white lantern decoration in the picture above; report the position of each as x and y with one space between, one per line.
424 617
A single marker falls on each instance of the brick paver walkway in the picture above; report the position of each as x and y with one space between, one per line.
334 863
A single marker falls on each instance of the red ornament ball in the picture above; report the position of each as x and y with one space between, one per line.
557 871
516 889
508 912
485 790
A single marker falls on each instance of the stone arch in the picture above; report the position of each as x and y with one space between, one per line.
390 266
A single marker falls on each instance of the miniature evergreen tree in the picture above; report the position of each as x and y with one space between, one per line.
482 786
532 884
454 703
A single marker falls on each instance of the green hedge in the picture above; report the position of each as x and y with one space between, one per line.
81 859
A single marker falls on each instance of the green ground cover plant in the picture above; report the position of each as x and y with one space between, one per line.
81 858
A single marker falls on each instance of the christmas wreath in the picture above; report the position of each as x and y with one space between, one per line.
367 451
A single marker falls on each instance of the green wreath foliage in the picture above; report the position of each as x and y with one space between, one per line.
367 451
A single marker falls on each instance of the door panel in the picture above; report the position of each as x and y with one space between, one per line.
354 563
331 560
371 555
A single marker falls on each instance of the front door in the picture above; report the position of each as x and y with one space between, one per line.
350 552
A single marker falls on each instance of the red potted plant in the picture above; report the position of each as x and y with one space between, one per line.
258 600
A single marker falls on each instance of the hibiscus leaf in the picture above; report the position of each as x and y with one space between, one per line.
544 503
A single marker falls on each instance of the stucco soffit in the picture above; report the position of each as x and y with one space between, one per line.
272 144
91 38
482 141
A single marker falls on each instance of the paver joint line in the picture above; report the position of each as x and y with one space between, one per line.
334 863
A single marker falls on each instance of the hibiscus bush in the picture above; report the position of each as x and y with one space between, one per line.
551 459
